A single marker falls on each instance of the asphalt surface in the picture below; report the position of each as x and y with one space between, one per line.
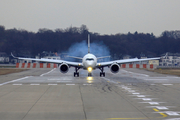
131 94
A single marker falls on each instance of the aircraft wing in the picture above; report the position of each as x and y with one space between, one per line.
124 61
74 64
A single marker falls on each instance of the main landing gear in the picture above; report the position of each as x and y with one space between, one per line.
76 73
102 74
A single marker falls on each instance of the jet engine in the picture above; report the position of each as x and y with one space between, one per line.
64 68
114 68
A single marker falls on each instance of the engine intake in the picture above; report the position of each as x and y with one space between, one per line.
114 68
64 68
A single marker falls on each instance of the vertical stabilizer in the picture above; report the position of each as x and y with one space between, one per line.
88 43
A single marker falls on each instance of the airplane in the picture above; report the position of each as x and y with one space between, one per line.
89 63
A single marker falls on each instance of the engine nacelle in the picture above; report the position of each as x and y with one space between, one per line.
64 68
114 68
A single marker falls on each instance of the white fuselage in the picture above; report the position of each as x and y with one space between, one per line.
89 60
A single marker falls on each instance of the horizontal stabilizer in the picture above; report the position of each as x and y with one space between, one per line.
75 57
103 57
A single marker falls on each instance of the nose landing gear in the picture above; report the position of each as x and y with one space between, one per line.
89 74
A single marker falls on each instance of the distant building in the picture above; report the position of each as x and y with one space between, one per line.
4 58
154 62
126 57
172 59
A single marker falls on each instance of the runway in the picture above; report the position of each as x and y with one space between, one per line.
131 94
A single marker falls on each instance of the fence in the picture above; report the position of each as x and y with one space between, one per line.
36 65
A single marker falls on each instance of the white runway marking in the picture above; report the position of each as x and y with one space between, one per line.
17 84
167 84
161 108
135 93
171 113
141 96
34 84
131 91
15 80
155 79
152 103
70 84
64 81
146 99
47 72
53 79
52 84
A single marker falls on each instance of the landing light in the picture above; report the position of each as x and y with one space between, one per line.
89 69
89 78
89 81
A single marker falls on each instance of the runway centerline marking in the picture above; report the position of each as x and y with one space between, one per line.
17 84
70 84
34 84
52 84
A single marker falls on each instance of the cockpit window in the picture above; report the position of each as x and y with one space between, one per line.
89 59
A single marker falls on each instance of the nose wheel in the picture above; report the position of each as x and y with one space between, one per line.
102 73
89 74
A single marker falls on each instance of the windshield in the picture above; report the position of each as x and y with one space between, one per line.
89 59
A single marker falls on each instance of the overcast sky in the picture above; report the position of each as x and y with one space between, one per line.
101 16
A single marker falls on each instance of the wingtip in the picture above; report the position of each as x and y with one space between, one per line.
13 55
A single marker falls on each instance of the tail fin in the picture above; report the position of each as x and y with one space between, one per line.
88 43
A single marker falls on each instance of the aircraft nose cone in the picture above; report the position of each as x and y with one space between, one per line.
90 64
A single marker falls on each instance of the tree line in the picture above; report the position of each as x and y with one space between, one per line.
25 43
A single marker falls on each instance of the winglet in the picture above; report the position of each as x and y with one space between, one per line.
165 55
13 56
88 43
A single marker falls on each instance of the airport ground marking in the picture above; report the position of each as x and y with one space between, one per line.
163 115
15 80
128 118
52 84
64 81
47 72
167 84
17 84
34 84
155 79
70 84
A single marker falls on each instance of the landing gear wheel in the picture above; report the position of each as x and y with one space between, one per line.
102 74
76 74
89 74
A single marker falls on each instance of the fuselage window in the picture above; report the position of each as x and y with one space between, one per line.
89 59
